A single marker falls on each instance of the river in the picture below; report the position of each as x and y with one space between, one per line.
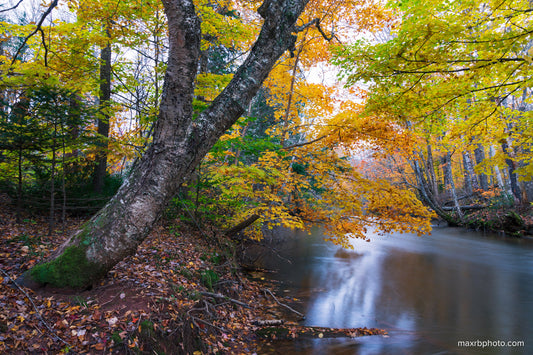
430 293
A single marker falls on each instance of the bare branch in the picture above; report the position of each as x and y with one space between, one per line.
37 312
38 28
304 143
326 37
309 24
45 47
266 290
12 8
316 22
221 296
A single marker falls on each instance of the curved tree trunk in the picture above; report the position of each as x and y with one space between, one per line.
426 195
179 143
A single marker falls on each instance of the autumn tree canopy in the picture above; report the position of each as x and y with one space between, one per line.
456 75
238 128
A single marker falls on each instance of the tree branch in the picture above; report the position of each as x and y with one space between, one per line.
309 24
266 290
304 143
316 22
236 229
226 298
13 7
326 37
45 47
38 28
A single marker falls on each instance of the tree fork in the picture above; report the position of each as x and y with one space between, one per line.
179 144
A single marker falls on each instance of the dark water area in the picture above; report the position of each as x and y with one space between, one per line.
430 293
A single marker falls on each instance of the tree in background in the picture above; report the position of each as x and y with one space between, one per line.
457 75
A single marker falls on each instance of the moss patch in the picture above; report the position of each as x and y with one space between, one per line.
71 269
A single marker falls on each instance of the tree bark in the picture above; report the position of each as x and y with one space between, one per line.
511 166
431 172
497 173
470 176
479 154
427 197
103 121
179 143
449 172
242 225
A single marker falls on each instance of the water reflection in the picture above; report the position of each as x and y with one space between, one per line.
429 292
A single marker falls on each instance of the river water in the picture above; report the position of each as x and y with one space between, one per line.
429 293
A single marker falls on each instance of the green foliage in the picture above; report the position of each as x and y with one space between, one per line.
45 137
209 278
186 273
502 200
116 338
147 326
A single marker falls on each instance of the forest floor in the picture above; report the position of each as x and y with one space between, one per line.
180 293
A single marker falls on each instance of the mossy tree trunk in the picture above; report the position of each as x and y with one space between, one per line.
179 143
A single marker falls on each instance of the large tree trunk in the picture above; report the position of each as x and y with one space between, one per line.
179 143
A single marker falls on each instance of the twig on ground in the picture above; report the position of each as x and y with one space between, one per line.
221 296
207 323
266 290
37 312
269 322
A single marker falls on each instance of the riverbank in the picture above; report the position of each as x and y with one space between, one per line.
517 222
182 292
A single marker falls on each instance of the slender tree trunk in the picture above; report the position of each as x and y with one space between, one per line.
179 143
431 172
479 154
453 192
470 175
103 121
243 133
426 196
73 127
286 116
51 220
497 173
19 188
63 182
513 178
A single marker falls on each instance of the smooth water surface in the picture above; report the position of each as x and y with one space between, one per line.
428 292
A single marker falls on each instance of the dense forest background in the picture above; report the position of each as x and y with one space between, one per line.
379 114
